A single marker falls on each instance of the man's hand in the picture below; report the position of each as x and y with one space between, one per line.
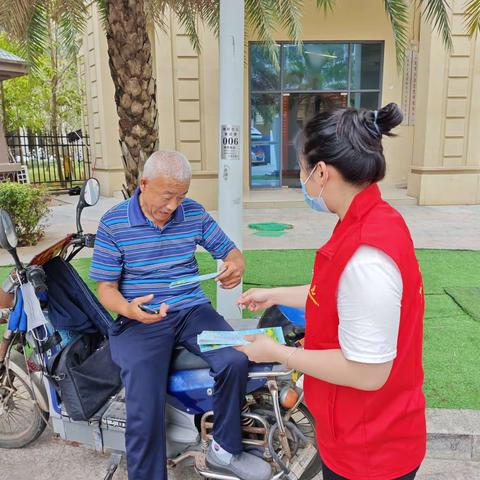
136 313
113 300
233 268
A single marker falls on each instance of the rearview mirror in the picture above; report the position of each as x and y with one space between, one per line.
8 236
89 196
90 192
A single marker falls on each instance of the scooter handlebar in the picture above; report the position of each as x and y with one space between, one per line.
89 240
36 276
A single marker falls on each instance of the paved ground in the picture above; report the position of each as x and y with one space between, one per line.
451 227
51 458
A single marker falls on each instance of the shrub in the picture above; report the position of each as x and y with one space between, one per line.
28 207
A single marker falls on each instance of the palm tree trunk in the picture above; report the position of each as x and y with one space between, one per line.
53 100
130 60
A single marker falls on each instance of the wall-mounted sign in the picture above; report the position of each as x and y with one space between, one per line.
230 146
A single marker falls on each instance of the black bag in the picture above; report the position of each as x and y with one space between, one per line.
84 375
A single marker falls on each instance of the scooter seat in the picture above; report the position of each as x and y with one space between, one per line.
182 359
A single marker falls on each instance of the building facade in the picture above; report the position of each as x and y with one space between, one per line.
347 59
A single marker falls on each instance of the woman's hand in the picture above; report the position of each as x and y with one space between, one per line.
257 299
262 349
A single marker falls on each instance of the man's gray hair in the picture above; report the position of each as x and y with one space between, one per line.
165 163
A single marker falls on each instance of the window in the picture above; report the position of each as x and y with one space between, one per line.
304 81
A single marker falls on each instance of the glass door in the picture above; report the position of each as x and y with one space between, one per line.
265 154
297 109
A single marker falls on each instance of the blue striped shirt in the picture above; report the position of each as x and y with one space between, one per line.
145 259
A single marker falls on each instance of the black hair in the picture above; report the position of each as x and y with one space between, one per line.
350 140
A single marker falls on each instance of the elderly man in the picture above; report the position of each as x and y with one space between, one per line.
142 245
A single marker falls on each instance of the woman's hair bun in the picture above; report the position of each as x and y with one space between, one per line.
388 117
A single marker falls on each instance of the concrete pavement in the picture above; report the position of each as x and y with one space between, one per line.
449 227
52 459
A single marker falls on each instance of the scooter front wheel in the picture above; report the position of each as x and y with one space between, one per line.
21 421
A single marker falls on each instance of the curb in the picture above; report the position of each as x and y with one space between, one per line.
453 434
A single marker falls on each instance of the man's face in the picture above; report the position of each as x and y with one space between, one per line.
161 196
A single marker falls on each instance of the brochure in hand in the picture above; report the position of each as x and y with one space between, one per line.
213 340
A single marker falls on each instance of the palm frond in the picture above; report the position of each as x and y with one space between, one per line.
472 17
259 16
262 17
36 40
71 21
327 5
15 17
211 17
437 13
155 12
289 16
102 11
397 12
189 14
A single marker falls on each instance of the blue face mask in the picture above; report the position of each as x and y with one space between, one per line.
315 203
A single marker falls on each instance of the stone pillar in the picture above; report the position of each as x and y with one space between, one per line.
446 152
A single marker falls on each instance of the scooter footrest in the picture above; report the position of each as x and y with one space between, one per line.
202 469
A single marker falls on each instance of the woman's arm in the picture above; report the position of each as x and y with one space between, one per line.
327 365
331 366
257 299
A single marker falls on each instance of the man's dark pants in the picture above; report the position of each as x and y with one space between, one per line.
143 354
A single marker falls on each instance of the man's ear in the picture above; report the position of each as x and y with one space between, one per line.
142 184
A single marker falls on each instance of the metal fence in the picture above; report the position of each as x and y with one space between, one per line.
59 162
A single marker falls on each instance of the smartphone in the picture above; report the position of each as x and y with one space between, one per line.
149 310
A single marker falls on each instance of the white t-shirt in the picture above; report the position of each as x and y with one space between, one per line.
368 302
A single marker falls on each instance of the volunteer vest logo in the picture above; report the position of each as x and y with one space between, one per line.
312 294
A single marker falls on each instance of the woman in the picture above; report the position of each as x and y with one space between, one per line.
364 307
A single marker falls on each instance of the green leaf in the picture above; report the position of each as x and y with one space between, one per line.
437 13
397 12
472 17
327 5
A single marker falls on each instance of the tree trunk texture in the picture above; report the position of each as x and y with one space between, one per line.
53 101
130 60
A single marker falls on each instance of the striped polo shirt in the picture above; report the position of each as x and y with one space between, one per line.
145 259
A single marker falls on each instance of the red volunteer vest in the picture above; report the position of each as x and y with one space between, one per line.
365 435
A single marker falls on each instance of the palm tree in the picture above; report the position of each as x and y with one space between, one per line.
47 33
130 52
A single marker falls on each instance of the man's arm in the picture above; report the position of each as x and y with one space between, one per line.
216 242
111 298
106 269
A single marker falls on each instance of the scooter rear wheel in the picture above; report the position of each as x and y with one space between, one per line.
21 421
305 422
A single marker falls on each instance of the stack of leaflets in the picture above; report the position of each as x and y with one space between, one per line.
213 340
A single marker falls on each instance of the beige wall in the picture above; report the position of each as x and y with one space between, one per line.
439 139
187 86
101 115
446 159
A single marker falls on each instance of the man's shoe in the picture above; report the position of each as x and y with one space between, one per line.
244 466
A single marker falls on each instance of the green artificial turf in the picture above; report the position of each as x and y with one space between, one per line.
452 328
